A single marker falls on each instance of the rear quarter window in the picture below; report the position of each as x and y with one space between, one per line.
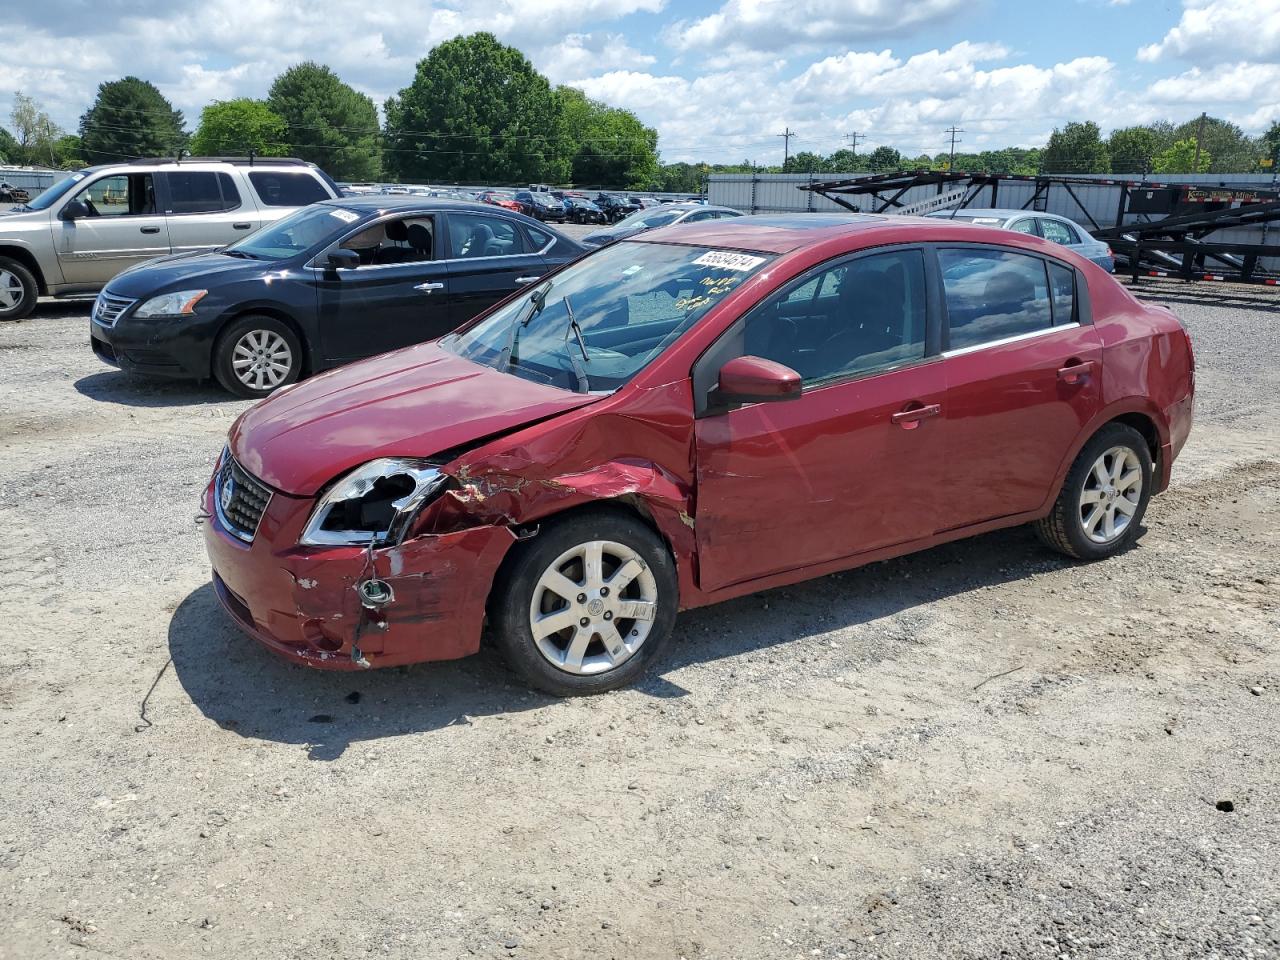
287 189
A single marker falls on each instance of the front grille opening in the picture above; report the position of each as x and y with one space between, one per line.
240 499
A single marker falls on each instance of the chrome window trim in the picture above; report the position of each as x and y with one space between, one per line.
1003 341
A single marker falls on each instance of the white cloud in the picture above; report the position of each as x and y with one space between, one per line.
773 25
582 54
1226 83
1221 31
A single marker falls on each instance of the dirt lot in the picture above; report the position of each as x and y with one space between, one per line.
979 751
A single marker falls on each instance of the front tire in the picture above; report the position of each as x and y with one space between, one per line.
257 355
1099 511
18 290
587 605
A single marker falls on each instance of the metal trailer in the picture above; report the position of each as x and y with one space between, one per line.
1178 244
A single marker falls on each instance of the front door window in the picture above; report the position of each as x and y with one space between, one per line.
126 195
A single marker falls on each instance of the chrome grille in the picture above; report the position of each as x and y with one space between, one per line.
107 309
239 499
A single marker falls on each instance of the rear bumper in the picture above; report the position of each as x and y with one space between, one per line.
301 602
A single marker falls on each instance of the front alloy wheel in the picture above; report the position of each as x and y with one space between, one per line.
257 355
587 604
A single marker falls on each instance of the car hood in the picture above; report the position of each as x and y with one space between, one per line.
183 268
599 238
415 402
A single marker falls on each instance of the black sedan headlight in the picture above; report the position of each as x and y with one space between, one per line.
373 504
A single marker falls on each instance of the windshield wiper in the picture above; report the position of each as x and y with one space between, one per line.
243 254
579 370
510 356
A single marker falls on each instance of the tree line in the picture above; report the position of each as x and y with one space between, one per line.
477 111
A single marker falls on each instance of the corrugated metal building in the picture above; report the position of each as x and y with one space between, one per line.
31 179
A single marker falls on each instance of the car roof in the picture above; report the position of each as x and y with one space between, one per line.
996 213
387 202
776 233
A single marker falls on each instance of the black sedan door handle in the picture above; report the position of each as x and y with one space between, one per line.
150 229
428 287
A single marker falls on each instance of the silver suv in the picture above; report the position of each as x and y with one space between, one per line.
83 230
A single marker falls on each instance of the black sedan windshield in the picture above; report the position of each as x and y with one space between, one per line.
630 302
298 232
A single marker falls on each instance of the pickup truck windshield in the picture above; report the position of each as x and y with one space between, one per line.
630 300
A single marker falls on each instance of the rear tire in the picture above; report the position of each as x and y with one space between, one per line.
587 605
19 290
1104 497
256 356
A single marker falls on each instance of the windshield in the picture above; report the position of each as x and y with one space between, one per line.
631 301
51 195
298 232
656 217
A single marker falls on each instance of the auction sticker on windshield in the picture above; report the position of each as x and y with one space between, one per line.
729 261
346 216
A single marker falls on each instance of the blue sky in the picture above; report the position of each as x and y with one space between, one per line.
717 78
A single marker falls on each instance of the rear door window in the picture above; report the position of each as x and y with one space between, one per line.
286 189
474 235
201 191
1062 280
1058 232
992 295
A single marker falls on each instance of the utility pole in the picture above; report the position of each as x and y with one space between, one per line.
953 130
786 136
853 137
1195 165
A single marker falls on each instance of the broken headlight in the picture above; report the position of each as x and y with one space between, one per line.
373 503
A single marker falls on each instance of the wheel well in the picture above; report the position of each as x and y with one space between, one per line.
25 258
628 505
284 318
1145 426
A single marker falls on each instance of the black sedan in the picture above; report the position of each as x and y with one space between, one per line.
331 283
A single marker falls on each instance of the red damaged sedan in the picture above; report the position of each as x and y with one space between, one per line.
700 412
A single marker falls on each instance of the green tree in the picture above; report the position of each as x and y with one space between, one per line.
68 152
130 118
884 160
845 160
33 132
605 146
1270 144
1133 149
683 177
239 127
1232 151
1181 158
476 110
327 122
10 149
805 162
1077 148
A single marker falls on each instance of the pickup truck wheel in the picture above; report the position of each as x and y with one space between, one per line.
1103 499
18 290
256 355
587 605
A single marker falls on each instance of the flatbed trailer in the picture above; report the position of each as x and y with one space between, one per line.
1178 244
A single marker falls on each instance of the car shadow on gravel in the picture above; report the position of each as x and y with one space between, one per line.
114 386
246 689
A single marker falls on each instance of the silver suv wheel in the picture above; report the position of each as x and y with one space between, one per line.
12 290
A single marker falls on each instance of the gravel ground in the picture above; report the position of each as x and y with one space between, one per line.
977 751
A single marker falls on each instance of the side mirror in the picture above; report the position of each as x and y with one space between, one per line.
341 259
757 380
75 210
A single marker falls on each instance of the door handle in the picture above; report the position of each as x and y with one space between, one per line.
149 229
910 419
527 279
428 287
1075 372
241 226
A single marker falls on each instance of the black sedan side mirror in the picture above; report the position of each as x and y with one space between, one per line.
76 210
341 259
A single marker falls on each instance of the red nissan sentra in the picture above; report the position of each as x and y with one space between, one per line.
689 416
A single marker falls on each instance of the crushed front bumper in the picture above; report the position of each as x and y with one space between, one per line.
301 602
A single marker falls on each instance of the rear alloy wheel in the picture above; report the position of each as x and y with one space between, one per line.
18 290
586 605
256 356
1103 498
